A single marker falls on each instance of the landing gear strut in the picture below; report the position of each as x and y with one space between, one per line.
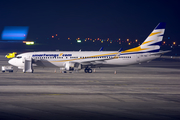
88 70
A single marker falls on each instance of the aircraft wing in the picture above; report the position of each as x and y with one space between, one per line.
100 61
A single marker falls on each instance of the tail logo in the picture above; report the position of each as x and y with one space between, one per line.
152 42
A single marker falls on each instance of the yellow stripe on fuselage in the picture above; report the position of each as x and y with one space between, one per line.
86 57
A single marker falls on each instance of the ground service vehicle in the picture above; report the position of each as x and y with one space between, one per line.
7 68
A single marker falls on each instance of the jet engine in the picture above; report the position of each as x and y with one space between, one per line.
70 66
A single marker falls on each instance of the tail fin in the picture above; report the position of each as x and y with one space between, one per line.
153 41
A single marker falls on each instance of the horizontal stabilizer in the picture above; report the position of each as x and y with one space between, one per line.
160 52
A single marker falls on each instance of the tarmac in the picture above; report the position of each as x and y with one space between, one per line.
146 91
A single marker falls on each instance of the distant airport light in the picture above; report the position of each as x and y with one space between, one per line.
29 42
52 36
129 43
174 43
164 42
56 34
136 40
79 41
127 40
119 39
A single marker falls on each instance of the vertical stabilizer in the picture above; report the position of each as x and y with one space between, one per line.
153 41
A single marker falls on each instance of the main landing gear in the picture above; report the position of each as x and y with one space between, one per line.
88 70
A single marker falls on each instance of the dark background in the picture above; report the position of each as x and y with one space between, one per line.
113 19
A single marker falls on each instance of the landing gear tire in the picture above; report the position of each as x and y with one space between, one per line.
88 70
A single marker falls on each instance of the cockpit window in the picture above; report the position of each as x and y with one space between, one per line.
18 56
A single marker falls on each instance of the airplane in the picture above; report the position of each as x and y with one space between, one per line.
77 60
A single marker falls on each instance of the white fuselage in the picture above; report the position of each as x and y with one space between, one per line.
96 58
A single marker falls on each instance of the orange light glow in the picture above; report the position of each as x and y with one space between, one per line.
56 34
52 36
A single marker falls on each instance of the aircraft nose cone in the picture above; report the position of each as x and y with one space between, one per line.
11 62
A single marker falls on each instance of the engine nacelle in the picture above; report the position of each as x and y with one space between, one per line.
70 66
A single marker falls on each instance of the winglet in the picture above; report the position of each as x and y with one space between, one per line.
101 49
120 50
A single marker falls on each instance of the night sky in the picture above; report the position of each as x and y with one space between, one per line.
133 19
